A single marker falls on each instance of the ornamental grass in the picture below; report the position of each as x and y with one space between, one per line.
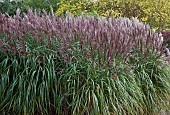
80 65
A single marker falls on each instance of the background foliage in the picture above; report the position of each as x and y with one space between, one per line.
10 7
76 7
156 13
47 5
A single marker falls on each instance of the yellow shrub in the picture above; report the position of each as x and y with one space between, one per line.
156 13
75 7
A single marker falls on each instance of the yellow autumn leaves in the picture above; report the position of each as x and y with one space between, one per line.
156 13
75 7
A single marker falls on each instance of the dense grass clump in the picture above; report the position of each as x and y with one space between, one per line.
31 84
80 65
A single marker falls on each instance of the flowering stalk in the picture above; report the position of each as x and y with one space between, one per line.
112 36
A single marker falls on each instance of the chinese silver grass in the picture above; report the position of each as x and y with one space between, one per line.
106 60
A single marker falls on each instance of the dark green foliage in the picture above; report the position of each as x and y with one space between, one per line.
152 76
42 4
11 7
31 84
